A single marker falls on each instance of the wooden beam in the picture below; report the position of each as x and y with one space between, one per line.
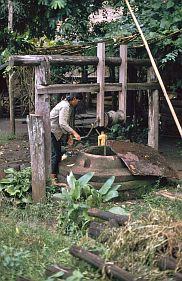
153 113
70 88
53 59
93 87
33 60
143 86
123 79
36 140
100 81
42 108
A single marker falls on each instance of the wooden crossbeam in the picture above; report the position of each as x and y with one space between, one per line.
93 88
32 60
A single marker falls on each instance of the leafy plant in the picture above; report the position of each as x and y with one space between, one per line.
11 257
17 185
79 196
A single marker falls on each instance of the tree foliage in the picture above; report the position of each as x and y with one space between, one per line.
160 22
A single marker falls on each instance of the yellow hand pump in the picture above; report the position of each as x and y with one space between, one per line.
102 139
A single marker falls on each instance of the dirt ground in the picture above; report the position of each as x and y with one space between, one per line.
15 153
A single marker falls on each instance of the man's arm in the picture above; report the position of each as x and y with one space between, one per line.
64 122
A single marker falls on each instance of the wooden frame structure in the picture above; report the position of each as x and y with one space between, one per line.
39 123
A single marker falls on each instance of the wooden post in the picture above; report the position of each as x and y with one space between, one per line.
11 74
42 108
153 112
11 102
100 80
123 79
36 140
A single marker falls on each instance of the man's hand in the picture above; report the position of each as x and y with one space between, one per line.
70 140
76 136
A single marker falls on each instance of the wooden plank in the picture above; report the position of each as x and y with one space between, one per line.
143 86
72 60
36 140
93 87
42 108
100 81
153 113
123 79
68 88
84 88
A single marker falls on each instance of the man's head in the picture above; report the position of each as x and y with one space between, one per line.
74 98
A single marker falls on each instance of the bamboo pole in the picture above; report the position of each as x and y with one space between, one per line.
155 69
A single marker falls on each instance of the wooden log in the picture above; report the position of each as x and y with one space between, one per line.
178 276
33 60
23 279
52 269
101 82
169 195
105 215
123 79
37 149
167 262
102 231
110 269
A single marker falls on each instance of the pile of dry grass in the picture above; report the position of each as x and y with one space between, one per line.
139 246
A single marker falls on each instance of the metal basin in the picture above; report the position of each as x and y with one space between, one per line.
93 159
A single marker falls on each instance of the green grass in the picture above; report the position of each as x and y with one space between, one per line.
31 238
5 137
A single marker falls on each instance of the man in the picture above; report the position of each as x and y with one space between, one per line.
59 119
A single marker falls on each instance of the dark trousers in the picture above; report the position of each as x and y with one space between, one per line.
55 154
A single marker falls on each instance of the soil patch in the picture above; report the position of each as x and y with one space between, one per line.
14 154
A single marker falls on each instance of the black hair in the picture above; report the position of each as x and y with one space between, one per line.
70 96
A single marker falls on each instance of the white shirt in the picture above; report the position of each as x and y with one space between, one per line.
59 118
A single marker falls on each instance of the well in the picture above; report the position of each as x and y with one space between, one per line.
104 162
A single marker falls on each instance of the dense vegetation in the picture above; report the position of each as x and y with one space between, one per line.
161 23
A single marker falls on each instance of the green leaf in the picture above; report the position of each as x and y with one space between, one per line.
11 190
118 211
85 178
6 181
115 187
55 276
58 4
170 4
64 195
10 171
110 195
107 185
76 192
76 276
71 180
27 199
